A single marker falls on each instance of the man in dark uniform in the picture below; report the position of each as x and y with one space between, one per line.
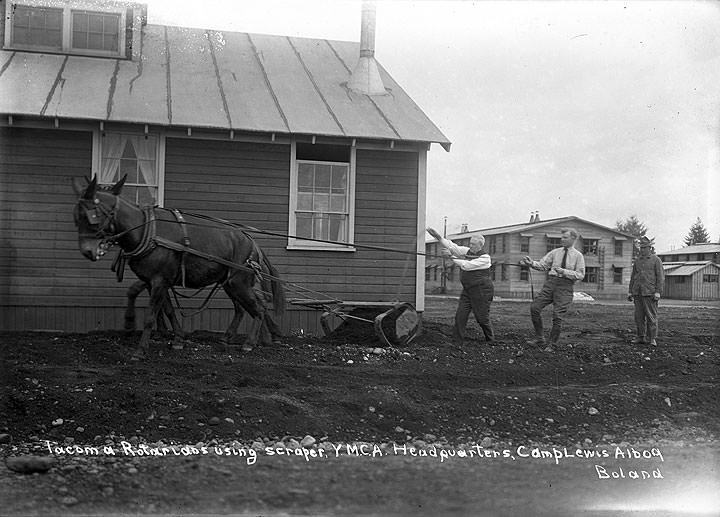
564 266
478 289
647 281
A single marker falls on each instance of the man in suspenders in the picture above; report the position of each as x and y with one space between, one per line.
564 267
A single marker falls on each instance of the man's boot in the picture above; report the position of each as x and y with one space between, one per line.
555 333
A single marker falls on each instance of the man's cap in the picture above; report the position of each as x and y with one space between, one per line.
645 242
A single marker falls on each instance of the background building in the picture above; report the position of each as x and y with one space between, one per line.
608 257
697 253
691 273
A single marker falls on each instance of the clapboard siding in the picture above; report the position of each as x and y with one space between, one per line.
44 281
255 181
46 284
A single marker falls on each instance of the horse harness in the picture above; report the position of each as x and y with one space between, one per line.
150 240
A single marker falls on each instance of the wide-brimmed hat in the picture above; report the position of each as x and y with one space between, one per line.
645 242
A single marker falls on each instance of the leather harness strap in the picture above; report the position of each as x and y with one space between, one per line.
185 242
146 245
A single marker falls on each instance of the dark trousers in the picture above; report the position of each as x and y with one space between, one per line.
559 293
476 299
646 319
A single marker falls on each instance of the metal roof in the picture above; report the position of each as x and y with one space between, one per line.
686 268
523 227
216 79
697 248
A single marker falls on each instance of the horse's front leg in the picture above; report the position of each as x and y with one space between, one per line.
158 293
132 293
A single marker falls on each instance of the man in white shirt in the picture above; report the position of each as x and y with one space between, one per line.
564 266
478 289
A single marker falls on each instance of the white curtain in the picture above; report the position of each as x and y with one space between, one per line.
112 148
145 152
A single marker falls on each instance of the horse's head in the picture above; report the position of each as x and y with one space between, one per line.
94 215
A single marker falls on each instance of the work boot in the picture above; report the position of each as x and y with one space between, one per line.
640 340
652 342
554 334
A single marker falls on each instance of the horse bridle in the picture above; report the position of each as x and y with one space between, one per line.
99 216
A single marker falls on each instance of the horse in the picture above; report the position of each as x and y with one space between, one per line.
165 248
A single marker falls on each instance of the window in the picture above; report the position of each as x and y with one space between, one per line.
590 247
502 244
492 272
99 32
617 274
492 246
95 31
321 199
451 273
524 273
525 244
435 270
711 279
427 273
591 275
552 243
37 26
618 248
700 256
503 272
135 155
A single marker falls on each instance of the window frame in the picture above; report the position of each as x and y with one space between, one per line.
159 156
296 243
710 278
524 244
525 273
591 275
552 243
66 46
590 247
619 247
617 275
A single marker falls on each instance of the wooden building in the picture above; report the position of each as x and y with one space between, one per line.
271 131
608 257
692 280
695 253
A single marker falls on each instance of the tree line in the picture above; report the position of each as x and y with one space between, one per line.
697 234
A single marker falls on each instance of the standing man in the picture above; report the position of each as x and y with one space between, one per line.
564 266
478 289
647 281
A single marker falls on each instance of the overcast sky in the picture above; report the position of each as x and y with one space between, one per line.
595 109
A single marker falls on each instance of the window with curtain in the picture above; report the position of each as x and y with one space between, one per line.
321 200
136 156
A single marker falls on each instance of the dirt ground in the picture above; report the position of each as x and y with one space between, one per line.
595 392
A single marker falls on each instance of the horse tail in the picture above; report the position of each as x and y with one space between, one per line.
277 289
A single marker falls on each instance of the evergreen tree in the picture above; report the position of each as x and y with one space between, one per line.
631 225
698 234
